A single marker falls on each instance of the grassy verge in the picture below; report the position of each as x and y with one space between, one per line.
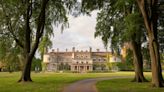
47 82
124 85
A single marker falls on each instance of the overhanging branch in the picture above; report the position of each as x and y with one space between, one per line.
10 29
40 27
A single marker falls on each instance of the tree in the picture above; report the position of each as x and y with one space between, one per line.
128 64
9 55
146 56
148 9
26 22
44 45
134 28
119 21
36 65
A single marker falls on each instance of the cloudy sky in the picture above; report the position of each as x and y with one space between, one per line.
80 34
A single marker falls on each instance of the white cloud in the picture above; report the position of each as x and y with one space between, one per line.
80 34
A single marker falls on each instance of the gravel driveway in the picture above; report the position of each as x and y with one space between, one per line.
86 85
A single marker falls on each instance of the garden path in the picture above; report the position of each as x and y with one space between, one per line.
86 85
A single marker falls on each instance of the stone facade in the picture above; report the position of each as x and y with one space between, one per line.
77 61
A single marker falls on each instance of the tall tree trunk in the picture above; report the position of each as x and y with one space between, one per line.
150 19
157 78
138 62
26 72
28 49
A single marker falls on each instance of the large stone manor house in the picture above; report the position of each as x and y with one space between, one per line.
77 61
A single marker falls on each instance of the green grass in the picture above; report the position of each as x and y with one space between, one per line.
125 85
54 82
47 82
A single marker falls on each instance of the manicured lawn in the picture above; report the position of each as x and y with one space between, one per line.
124 85
54 82
47 82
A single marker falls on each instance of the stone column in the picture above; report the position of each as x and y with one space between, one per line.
77 68
85 68
72 67
90 68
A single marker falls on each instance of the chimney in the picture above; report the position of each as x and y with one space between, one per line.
66 50
57 49
98 50
90 49
73 49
